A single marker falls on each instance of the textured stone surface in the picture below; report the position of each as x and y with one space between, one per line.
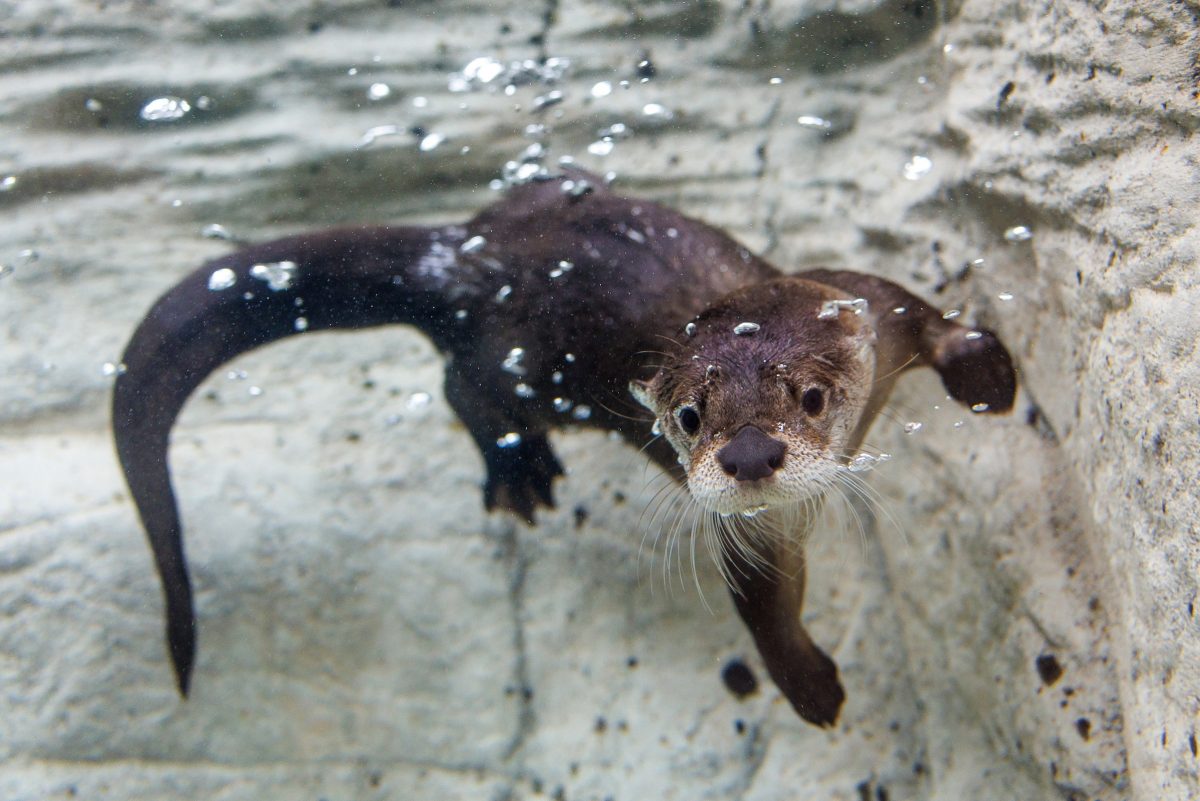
1021 622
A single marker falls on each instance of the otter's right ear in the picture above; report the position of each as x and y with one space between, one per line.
643 392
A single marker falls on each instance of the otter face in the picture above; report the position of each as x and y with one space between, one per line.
763 398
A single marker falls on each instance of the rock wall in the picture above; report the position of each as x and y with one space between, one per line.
1014 619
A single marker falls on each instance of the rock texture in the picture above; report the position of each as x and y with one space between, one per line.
1016 621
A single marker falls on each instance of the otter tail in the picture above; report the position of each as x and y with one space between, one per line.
338 279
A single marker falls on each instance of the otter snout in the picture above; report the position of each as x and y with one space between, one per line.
751 454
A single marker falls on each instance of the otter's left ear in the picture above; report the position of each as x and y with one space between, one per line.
643 391
975 368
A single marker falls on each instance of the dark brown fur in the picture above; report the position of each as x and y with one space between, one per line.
636 273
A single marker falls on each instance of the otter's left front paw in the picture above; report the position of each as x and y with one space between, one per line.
520 476
976 369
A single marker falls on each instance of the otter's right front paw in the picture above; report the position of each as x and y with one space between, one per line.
520 475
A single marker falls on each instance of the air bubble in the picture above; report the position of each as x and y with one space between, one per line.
300 324
973 335
865 461
569 358
7 183
912 428
430 142
556 377
951 314
237 375
473 245
742 329
418 401
979 407
510 440
1018 233
111 369
690 329
582 412
378 91
562 405
900 310
377 132
917 168
502 293
223 278
1005 296
814 122
215 231
657 110
600 148
254 391
602 89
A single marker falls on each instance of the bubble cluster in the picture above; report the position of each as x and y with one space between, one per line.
165 109
487 73
512 362
831 308
278 275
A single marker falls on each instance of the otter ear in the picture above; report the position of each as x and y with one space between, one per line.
643 391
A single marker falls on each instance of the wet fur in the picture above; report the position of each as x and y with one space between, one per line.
631 274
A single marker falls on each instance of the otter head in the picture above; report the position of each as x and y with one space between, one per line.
764 395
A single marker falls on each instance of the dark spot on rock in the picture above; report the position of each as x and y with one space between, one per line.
739 726
1093 604
368 384
631 662
1049 669
881 794
1192 742
618 497
375 778
864 791
505 29
918 768
1005 92
581 515
622 726
601 725
315 26
560 793
353 436
645 68
739 678
1084 727
574 768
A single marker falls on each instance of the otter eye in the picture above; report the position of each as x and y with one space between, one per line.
689 419
813 401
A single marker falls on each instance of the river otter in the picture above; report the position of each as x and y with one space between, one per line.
549 305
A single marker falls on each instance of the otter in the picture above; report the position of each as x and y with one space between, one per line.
550 305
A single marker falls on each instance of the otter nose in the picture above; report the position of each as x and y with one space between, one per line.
751 455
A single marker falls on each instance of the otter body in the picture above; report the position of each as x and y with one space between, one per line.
551 306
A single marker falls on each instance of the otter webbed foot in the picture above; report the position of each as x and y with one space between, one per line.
520 475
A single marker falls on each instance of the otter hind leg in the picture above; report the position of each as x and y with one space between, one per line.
521 465
520 476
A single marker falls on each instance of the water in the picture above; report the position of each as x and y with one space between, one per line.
361 615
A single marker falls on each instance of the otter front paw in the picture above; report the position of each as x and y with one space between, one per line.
813 688
520 475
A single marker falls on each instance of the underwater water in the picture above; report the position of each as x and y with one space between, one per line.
366 629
